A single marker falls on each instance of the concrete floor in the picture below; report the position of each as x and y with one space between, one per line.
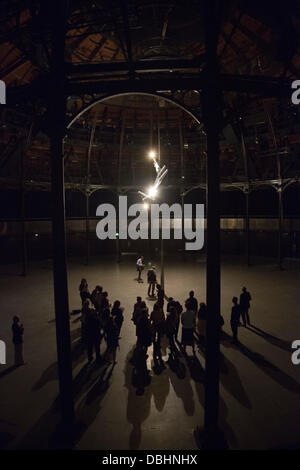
260 387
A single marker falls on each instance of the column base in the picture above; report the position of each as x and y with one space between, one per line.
210 440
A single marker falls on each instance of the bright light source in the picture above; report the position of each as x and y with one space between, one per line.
152 192
146 205
152 154
36 234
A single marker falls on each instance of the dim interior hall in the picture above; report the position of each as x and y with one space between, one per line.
190 104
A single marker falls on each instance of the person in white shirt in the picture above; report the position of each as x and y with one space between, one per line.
140 267
188 320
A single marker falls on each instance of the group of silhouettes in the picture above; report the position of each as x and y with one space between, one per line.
100 320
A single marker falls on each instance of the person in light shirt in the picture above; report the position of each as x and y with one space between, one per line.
140 266
188 320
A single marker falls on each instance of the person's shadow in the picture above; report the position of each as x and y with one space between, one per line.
274 340
138 406
270 369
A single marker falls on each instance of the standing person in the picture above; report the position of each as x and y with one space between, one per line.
151 275
104 318
99 298
143 332
193 302
157 319
160 295
94 295
18 331
137 310
235 319
84 290
93 336
171 303
105 302
117 314
178 310
201 323
170 327
140 266
188 323
245 298
112 335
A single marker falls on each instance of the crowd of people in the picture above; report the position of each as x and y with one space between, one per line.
100 320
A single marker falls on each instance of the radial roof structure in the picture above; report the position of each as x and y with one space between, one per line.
155 48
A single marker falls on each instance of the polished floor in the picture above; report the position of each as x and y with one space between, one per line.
259 385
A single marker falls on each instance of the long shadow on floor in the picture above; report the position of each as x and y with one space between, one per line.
51 373
198 375
267 367
45 435
138 407
8 370
278 342
229 376
89 407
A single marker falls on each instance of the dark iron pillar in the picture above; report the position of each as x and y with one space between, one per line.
57 108
212 437
280 226
247 225
87 227
23 215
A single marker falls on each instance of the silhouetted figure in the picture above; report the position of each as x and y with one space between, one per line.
140 375
143 331
93 335
171 303
84 290
245 298
178 309
170 327
140 266
18 331
201 323
193 302
96 297
112 338
151 275
105 302
160 295
84 314
235 319
104 317
117 314
157 318
188 320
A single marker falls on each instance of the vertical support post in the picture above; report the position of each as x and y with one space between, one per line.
279 189
121 148
87 227
118 253
162 257
23 221
280 227
183 240
212 114
246 192
247 226
158 135
57 110
181 179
